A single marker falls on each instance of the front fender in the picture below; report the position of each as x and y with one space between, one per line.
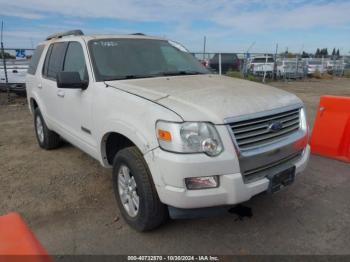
144 141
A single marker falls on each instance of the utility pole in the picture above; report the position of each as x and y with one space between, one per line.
4 63
275 64
204 45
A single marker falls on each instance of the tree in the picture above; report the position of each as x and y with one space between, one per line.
325 52
338 53
333 52
305 55
317 54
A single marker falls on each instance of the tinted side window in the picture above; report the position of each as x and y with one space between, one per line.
35 59
47 59
75 60
54 60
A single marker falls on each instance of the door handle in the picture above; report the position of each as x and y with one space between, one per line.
60 93
40 86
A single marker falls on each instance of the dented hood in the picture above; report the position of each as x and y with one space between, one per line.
209 98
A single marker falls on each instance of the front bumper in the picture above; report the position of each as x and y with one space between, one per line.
169 170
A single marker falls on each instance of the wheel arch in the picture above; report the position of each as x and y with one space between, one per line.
114 141
33 104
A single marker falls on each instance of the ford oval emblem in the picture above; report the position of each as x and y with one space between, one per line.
275 126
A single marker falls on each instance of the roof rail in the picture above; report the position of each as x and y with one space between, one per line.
67 33
137 34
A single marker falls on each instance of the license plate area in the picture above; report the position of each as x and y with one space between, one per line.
281 179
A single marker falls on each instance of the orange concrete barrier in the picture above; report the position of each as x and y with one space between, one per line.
331 131
17 242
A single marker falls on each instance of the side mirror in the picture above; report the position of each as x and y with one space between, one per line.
71 80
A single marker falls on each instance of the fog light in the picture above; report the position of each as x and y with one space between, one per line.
202 182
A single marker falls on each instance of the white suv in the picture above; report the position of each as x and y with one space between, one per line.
179 139
262 65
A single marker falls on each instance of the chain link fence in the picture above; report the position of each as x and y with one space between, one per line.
14 63
260 66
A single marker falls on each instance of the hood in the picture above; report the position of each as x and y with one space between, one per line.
210 98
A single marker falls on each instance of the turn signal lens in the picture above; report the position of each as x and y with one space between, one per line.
164 135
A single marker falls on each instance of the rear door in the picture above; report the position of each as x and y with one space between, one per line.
52 65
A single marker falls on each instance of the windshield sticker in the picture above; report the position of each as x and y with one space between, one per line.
106 43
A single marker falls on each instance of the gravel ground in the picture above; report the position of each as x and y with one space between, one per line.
67 199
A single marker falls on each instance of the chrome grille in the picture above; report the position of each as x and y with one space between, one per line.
251 133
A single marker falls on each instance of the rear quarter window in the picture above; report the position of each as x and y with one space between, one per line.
35 59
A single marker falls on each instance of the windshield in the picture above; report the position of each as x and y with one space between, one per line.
116 59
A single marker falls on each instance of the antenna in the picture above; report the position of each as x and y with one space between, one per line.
204 45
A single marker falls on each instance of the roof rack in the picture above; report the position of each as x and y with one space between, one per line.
137 34
67 33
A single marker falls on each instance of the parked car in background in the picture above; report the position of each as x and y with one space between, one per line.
347 62
314 66
16 75
334 66
347 66
229 62
177 137
290 68
262 65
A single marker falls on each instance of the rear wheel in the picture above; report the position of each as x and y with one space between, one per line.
135 192
47 139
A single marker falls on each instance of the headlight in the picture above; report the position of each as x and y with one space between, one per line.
189 137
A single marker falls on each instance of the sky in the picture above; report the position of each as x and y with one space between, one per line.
229 25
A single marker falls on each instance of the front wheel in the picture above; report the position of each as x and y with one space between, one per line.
135 192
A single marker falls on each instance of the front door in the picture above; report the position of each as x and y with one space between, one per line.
76 104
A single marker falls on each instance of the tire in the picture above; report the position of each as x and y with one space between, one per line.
151 213
46 138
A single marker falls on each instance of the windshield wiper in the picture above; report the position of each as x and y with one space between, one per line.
165 73
127 77
175 73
